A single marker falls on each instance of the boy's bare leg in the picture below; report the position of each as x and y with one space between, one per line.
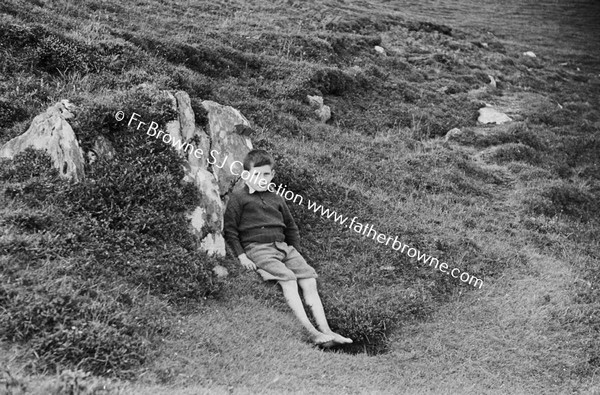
292 297
312 299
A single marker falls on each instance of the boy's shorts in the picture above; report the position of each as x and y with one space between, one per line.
279 261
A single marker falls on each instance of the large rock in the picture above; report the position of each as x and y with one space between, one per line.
226 143
491 115
51 132
208 164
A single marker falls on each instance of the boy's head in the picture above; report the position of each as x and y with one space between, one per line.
259 164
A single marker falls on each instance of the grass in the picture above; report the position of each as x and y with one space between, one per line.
515 205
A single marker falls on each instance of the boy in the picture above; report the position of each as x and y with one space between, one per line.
263 235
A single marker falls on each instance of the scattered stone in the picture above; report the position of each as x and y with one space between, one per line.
51 132
452 134
220 271
387 268
354 71
491 115
103 148
315 101
530 54
380 49
322 111
492 81
91 157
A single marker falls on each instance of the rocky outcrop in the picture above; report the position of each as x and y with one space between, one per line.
229 142
210 163
51 132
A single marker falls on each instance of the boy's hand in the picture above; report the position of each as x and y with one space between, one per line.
246 262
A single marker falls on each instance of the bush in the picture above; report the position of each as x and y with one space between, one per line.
91 273
512 152
565 198
11 114
58 54
368 316
330 81
27 164
67 321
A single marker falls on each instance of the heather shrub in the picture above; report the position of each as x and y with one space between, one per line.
95 265
68 321
512 152
368 315
564 198
26 165
58 54
11 113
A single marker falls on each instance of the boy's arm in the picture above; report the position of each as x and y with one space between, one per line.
292 234
231 221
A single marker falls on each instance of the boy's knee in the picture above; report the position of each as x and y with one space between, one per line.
308 283
287 284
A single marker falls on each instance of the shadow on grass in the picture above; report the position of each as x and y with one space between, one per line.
363 347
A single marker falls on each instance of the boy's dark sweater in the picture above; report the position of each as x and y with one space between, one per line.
261 217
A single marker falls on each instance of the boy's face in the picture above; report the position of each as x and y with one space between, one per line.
260 177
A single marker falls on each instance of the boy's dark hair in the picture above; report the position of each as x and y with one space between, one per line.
257 158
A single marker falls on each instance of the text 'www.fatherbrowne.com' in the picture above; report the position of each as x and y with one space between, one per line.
412 252
289 195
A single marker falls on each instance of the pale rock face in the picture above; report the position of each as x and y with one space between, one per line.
491 115
173 128
322 111
227 146
51 132
380 49
208 217
186 115
103 148
315 101
220 271
452 134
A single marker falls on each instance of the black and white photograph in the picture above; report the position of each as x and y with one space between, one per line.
299 197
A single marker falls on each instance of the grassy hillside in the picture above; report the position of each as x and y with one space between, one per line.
102 285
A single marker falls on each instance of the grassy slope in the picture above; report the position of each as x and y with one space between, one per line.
526 331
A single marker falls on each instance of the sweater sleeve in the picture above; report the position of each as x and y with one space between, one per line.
292 234
231 221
